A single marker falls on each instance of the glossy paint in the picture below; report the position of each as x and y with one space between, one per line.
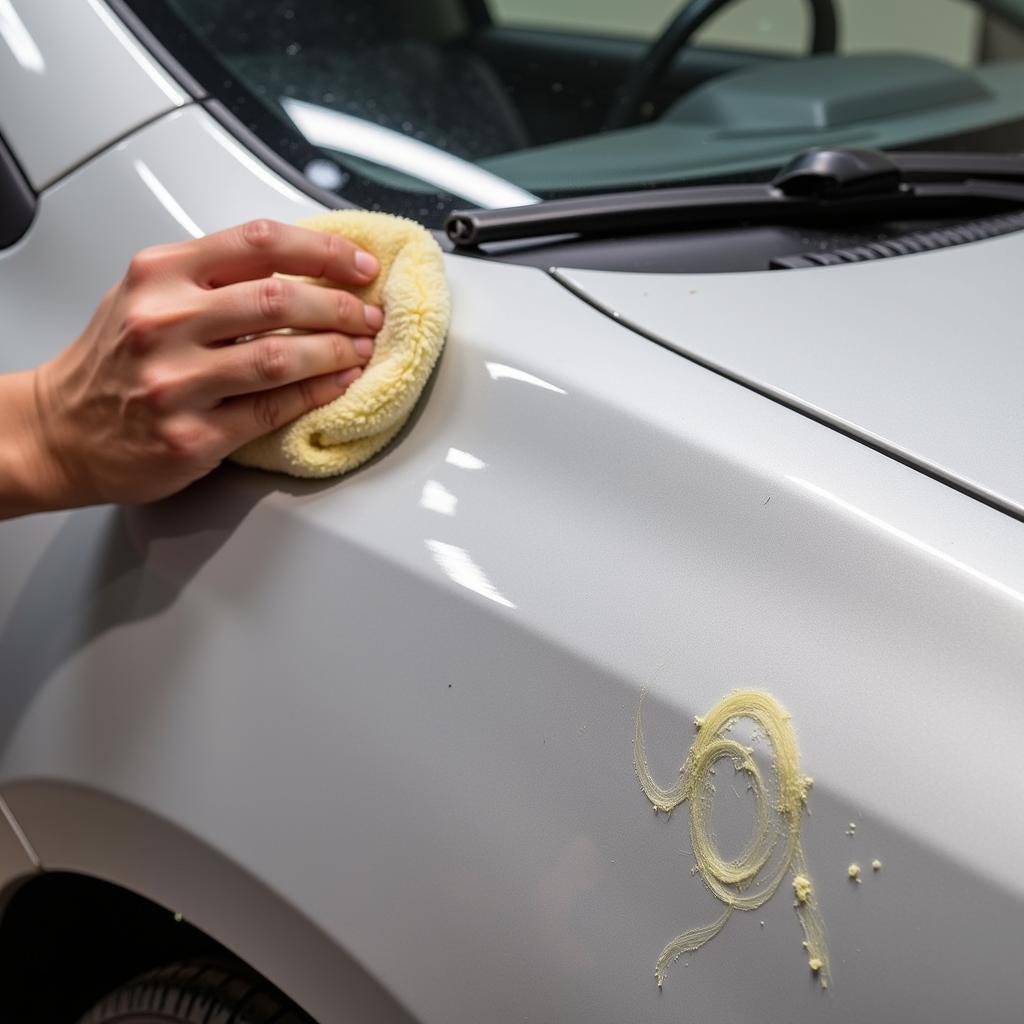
72 80
375 734
76 214
920 355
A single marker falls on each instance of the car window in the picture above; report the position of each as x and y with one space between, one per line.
421 106
948 29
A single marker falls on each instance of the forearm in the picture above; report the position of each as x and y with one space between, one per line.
30 479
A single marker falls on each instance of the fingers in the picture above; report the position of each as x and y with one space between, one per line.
274 361
259 248
247 417
145 407
255 307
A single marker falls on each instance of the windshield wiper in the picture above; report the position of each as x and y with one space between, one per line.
819 183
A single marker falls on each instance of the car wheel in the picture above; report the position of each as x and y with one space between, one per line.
195 992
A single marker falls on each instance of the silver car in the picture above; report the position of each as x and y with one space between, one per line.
713 506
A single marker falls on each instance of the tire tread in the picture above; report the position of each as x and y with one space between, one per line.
195 992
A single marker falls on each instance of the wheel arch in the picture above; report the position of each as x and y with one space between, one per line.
111 868
67 940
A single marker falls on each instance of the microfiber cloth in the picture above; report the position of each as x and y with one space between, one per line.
412 291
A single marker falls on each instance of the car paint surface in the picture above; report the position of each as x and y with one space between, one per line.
73 80
374 734
918 354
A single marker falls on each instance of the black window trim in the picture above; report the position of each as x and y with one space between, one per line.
280 145
165 36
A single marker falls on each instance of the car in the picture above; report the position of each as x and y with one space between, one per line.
713 506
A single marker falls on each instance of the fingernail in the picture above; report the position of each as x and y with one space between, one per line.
374 317
364 347
366 264
344 379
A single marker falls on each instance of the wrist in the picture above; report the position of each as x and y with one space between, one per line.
32 476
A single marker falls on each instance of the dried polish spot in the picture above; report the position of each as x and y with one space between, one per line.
750 880
802 888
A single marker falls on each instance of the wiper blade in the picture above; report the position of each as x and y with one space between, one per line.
818 183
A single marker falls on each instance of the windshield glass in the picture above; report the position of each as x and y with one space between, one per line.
419 106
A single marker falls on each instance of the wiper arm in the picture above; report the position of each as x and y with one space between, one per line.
818 183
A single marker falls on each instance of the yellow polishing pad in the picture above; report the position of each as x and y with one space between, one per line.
412 291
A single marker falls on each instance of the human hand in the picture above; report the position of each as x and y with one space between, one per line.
154 393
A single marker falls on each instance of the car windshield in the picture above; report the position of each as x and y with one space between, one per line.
419 106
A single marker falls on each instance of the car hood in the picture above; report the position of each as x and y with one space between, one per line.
921 356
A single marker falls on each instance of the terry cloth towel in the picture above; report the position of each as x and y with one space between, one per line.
412 291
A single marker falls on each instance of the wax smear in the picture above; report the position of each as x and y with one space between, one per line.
774 851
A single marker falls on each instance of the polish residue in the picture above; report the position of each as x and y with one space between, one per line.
750 880
802 888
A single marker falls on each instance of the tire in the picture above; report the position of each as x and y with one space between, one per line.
196 992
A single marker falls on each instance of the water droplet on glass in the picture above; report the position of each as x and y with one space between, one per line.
325 174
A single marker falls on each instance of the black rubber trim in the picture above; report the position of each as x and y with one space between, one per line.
240 113
618 213
151 42
271 139
270 136
302 154
17 198
906 245
984 497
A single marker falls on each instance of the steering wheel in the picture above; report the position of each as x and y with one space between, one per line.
647 75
